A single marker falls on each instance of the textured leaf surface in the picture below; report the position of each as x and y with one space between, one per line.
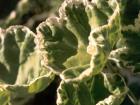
79 37
21 74
76 45
93 45
103 89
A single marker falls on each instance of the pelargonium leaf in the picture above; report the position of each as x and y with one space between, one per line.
116 86
74 94
21 74
79 37
101 89
127 52
56 43
126 57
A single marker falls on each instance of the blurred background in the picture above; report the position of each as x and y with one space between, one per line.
26 12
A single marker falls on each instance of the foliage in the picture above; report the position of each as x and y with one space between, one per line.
92 45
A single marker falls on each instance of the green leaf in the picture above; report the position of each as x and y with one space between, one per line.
79 37
74 94
21 73
56 43
127 52
102 89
